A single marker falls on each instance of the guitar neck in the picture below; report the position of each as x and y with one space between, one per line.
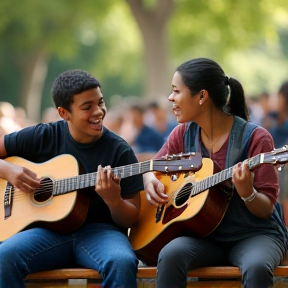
66 185
224 175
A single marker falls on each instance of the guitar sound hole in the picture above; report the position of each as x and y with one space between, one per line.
45 191
183 194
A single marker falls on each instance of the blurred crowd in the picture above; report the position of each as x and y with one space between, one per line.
271 112
145 124
14 118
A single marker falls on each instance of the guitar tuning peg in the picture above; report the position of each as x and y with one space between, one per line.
280 168
167 157
174 177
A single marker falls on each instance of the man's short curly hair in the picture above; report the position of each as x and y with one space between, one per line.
70 83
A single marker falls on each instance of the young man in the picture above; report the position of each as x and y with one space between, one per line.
101 243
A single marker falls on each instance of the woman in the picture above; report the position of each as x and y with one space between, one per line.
249 236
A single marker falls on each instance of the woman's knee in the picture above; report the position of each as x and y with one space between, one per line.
257 275
174 253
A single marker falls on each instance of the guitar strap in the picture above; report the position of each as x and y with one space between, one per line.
238 141
238 144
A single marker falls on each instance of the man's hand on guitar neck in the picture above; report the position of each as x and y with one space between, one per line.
108 185
154 189
124 212
20 177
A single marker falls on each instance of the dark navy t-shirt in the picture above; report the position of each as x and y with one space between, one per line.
43 142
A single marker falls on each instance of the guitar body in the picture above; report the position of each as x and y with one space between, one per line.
182 215
56 204
56 212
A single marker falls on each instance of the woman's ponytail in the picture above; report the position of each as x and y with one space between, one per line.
237 104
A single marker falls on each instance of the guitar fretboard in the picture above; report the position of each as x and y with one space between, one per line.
66 185
222 176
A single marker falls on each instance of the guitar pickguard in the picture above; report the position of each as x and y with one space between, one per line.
172 212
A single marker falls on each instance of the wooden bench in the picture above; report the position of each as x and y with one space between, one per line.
217 275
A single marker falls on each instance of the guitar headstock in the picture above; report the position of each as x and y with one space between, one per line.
278 156
179 156
178 162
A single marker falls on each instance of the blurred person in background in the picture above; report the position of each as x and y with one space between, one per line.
279 132
144 140
159 118
261 110
8 123
50 114
114 119
267 104
21 117
255 110
279 129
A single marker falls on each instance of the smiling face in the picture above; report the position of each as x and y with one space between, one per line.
85 120
185 106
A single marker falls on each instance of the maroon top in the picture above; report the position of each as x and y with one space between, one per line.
266 178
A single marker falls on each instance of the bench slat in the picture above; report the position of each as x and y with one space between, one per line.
146 272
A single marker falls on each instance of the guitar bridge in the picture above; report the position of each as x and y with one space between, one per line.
159 212
8 199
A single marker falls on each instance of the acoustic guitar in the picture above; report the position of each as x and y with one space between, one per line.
197 204
56 204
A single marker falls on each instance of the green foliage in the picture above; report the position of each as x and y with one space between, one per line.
100 37
245 37
215 27
248 38
49 24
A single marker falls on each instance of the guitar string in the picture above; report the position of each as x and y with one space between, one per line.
214 179
124 171
183 192
44 188
83 179
128 168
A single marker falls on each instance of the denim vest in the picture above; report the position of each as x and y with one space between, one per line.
238 223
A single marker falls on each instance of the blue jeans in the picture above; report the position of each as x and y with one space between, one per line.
255 256
100 246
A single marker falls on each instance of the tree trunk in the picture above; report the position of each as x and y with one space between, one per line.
152 23
34 71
